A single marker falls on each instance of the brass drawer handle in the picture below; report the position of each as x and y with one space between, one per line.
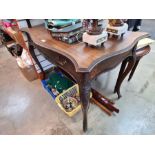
62 62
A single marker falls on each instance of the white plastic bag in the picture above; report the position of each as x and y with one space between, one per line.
26 58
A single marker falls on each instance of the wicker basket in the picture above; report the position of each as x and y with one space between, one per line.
65 94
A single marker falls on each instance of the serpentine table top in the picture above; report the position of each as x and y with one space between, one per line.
85 58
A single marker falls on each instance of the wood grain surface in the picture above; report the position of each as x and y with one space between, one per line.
85 58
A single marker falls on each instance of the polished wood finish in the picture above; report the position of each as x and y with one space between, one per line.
107 111
84 63
106 103
84 58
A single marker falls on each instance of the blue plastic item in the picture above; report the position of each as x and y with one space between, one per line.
45 84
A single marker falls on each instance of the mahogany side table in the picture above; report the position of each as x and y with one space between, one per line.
84 63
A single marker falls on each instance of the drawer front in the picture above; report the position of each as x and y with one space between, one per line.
61 61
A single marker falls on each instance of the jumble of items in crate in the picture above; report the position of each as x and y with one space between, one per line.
66 94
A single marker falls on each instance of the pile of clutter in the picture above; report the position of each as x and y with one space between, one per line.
91 31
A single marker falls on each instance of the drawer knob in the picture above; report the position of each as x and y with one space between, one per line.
62 62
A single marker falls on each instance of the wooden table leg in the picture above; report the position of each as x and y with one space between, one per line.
84 88
133 70
126 67
123 66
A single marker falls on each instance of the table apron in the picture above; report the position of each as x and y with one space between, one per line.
109 64
62 62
